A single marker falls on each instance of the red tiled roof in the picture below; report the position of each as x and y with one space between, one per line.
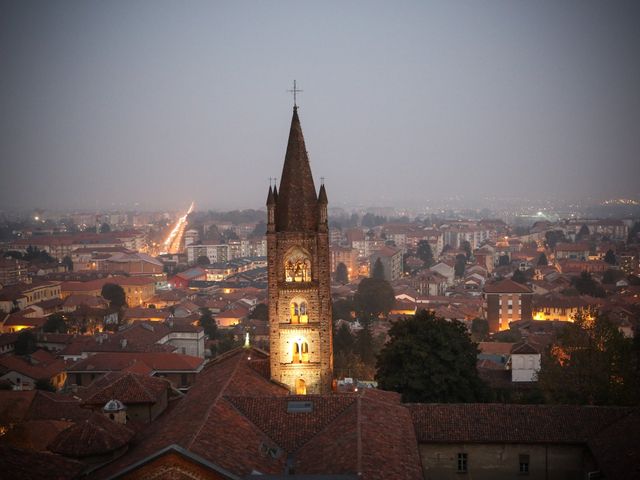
238 420
129 388
157 361
615 448
28 465
97 284
495 348
97 435
504 423
291 430
34 434
524 348
14 405
572 247
506 286
35 371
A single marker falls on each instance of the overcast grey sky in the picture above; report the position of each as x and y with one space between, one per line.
161 103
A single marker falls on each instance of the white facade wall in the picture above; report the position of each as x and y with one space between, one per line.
525 367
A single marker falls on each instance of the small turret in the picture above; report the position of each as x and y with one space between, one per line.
271 211
322 209
116 411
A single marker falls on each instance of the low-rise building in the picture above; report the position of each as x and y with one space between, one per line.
506 301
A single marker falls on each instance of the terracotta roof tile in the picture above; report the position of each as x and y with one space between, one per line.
291 430
129 388
97 435
510 423
28 465
506 286
158 361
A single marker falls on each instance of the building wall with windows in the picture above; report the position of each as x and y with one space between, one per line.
503 461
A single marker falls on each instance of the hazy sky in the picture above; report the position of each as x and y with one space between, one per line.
161 103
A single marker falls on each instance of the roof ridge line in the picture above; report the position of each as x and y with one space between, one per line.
233 405
137 380
213 403
342 412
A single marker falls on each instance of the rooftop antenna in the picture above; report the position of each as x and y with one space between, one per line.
295 91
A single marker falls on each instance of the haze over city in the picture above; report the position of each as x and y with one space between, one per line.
156 104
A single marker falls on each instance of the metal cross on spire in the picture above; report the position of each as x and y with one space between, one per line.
295 91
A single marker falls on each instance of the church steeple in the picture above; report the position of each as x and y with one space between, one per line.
299 275
297 200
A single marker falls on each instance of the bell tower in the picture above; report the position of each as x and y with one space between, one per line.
300 326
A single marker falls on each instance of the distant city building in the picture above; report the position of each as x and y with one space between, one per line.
506 301
391 259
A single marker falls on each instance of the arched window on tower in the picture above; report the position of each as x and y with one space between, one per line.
297 266
301 387
298 311
300 352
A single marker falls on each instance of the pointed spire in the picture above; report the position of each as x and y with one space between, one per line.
322 196
297 200
270 199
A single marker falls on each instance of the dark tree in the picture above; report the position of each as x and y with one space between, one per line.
586 285
425 253
373 297
634 233
342 309
343 341
460 265
504 260
610 257
370 220
203 260
114 294
55 324
466 246
67 262
105 228
229 235
429 359
519 277
34 254
349 364
591 364
582 233
479 329
552 237
208 323
25 343
259 230
46 385
342 274
612 276
260 312
226 342
378 270
542 260
364 345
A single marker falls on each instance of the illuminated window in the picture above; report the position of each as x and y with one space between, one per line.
301 387
297 266
300 352
298 310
